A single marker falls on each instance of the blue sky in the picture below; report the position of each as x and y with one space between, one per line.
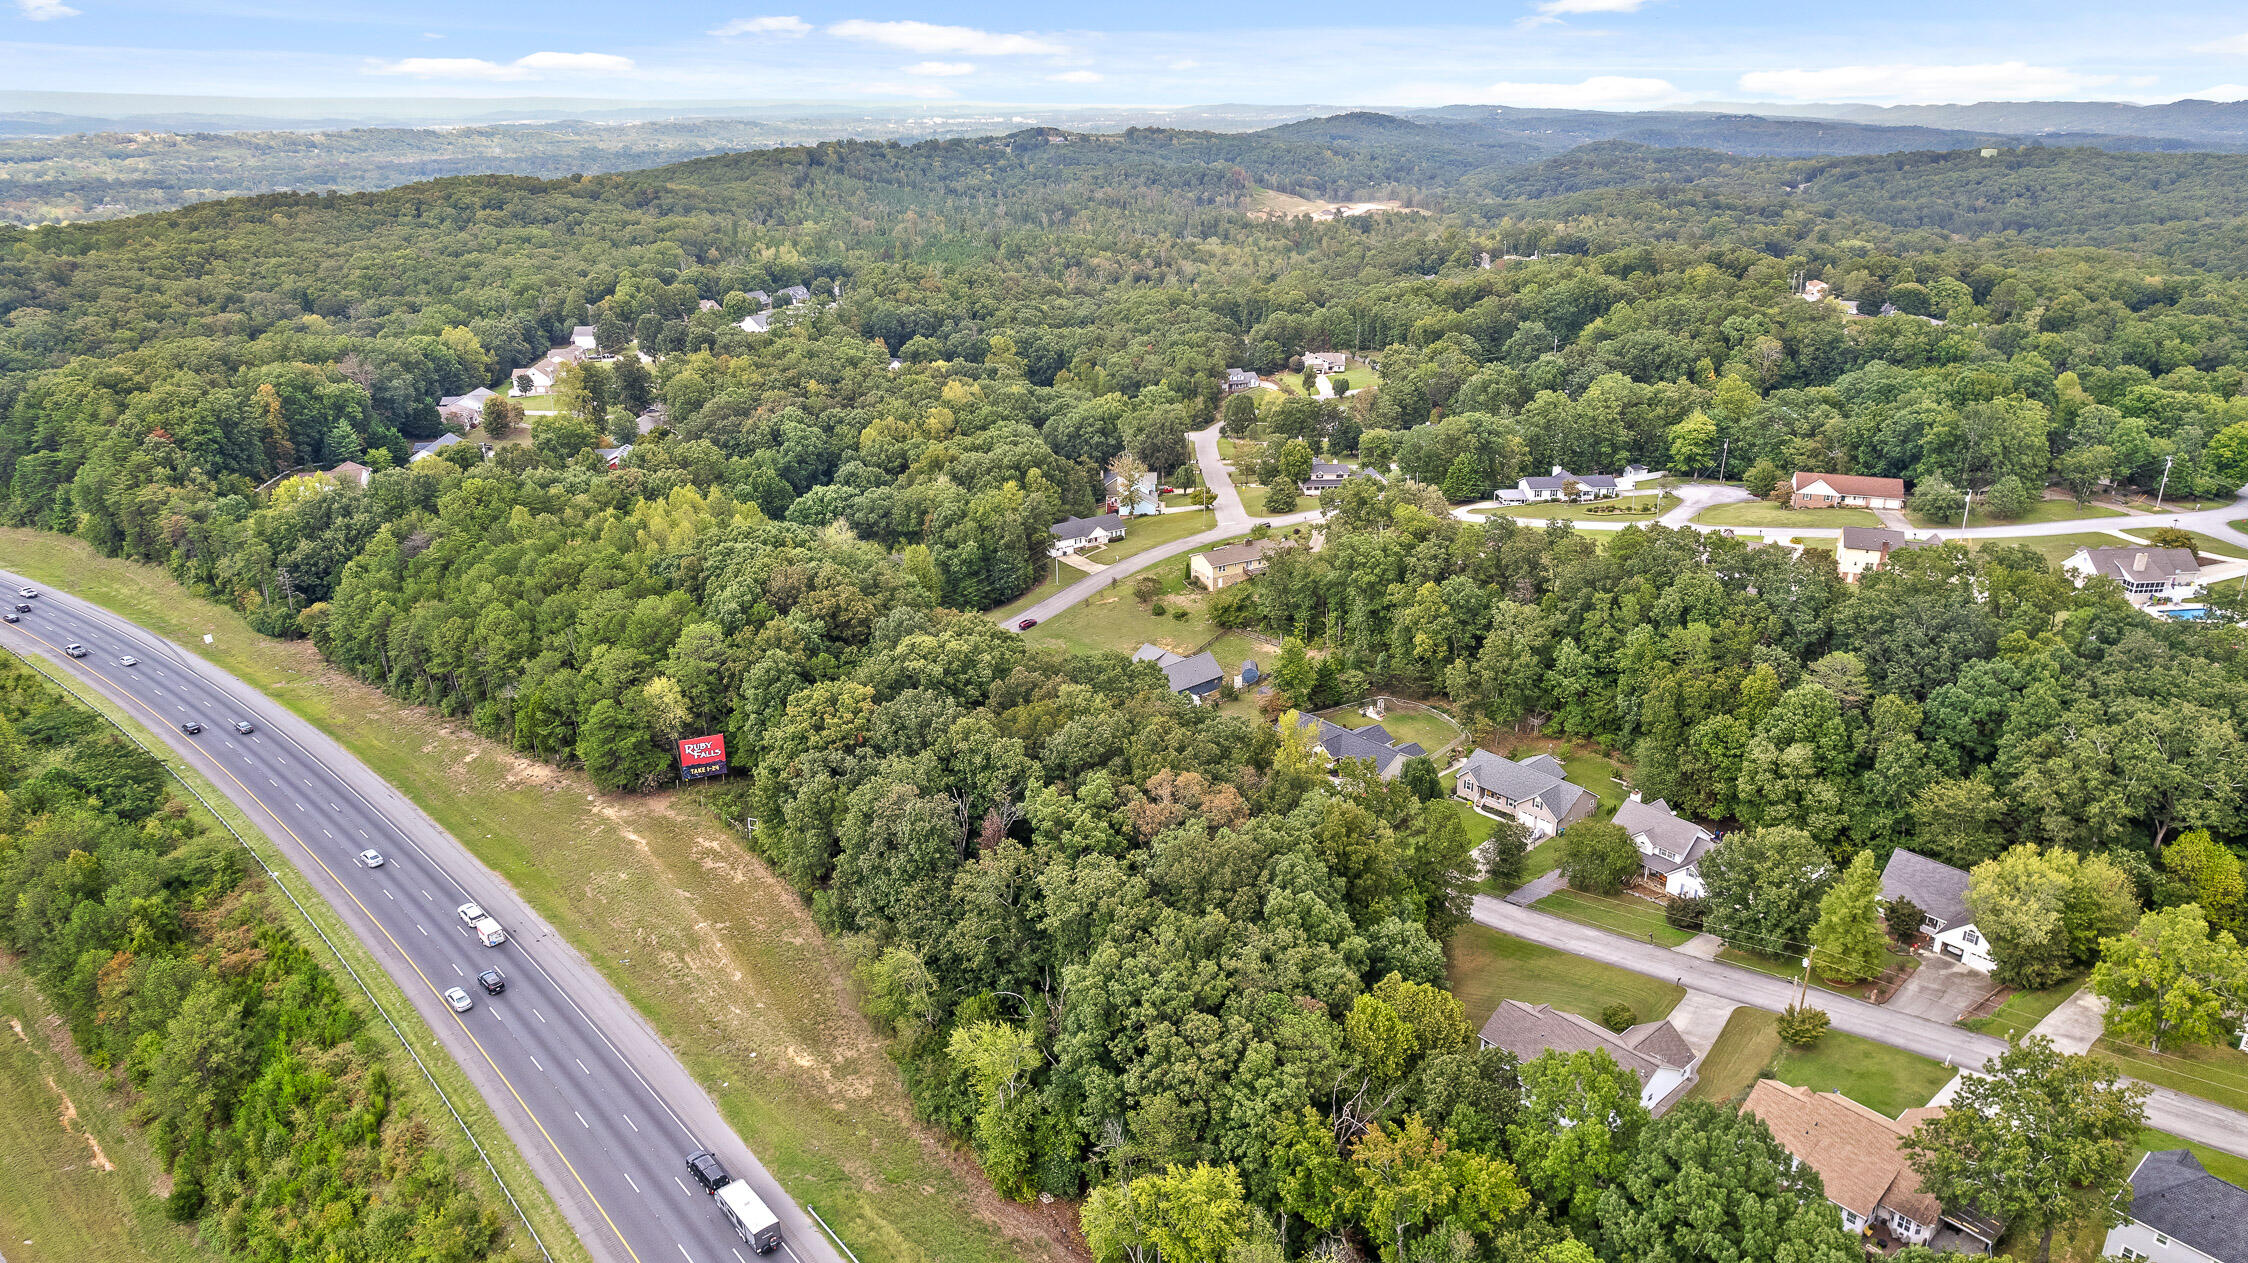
1632 54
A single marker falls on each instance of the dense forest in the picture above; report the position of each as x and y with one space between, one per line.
257 1079
1134 950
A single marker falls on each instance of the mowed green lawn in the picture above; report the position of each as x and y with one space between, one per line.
2024 1009
2042 511
1143 533
1887 1079
1760 513
1487 967
2057 548
1639 508
1403 723
1618 914
1113 619
2213 1074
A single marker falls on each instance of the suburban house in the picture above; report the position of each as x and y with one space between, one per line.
796 294
1671 847
1866 548
1813 291
1225 566
1141 499
435 445
1372 742
1556 486
613 456
763 299
1074 534
1654 1051
1857 1151
2181 1212
465 410
1536 792
2149 575
1940 892
706 304
351 471
1198 677
1238 380
1326 361
757 322
582 337
1832 491
1326 476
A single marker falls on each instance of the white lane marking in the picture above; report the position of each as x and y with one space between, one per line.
540 1016
683 1253
418 926
738 1257
581 1065
362 833
457 970
425 894
324 833
274 783
386 895
535 1062
629 1123
682 1185
629 1180
581 1121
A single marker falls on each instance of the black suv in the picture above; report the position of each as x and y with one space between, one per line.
190 727
492 981
708 1172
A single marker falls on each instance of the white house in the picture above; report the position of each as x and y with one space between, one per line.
1655 1052
1558 484
757 322
1326 361
1139 500
1073 534
796 294
1671 847
1845 491
1240 379
1940 892
2181 1214
582 337
613 456
465 410
1866 548
1813 291
2149 575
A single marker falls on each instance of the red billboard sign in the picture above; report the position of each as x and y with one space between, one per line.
702 756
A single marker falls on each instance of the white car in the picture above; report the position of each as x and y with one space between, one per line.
27 593
370 858
128 661
459 1000
470 913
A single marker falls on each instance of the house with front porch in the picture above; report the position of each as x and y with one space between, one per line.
1859 1154
1671 847
1536 792
1940 892
1075 534
1845 491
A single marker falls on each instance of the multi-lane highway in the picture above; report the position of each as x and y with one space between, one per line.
594 1100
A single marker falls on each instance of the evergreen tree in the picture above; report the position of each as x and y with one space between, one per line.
1848 942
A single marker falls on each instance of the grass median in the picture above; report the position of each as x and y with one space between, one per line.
713 949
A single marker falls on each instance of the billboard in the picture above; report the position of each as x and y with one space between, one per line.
702 756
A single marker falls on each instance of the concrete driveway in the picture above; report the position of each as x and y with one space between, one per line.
1940 990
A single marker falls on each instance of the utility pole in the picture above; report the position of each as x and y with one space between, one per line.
1722 454
1966 508
2165 485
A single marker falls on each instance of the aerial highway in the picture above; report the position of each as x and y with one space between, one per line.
592 1097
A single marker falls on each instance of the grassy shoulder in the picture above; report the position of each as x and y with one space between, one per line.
1640 508
2042 511
83 1184
1884 1078
714 950
1759 513
1487 967
2023 1010
2213 1074
1627 915
324 934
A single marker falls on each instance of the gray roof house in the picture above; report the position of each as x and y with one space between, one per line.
1238 380
1671 847
1536 792
583 336
1326 475
1555 486
1940 892
763 299
435 445
1866 548
1372 742
1197 677
2147 574
465 409
2180 1211
1073 533
797 294
1654 1051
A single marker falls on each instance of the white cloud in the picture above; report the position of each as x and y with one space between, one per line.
2221 92
1556 8
1074 76
1923 85
941 68
2229 44
45 10
924 37
768 25
1185 64
1600 92
526 67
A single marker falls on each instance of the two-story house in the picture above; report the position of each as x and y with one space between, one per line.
2181 1214
1671 847
1224 566
1536 792
1864 549
1940 892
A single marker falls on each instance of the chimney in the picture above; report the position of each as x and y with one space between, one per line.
1635 795
2139 561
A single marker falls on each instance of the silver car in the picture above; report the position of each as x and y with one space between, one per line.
370 858
459 1000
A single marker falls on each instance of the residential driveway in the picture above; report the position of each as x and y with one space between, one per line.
1524 896
2073 1027
1893 519
1702 946
1696 496
1940 990
1700 1019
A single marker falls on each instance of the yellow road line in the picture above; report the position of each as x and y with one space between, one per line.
402 953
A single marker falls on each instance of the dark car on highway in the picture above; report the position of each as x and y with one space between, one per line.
492 981
244 726
707 1170
191 727
22 607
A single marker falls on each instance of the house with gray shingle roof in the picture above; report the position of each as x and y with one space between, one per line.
1654 1051
2148 574
1940 892
2181 1212
1537 792
1198 677
1867 548
1072 534
1372 743
1671 847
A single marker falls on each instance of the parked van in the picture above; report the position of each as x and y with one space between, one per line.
758 1227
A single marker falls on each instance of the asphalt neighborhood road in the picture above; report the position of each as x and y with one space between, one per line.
592 1097
2192 1118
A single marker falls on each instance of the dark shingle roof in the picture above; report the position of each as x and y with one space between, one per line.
2171 1193
1079 527
1666 829
1873 539
1935 888
2142 565
1541 776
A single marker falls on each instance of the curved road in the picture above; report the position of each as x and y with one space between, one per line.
594 1100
